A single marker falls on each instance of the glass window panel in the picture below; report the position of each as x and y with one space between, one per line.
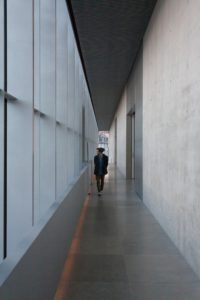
47 88
1 174
60 92
61 96
36 168
1 126
19 122
71 77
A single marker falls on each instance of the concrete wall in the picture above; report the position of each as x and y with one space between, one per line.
171 139
131 102
135 103
164 92
37 274
121 135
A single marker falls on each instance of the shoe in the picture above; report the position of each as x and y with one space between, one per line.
99 193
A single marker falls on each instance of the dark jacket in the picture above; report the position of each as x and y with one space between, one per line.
96 164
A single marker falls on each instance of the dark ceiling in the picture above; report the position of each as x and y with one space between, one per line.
110 33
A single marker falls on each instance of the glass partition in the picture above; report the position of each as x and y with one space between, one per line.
1 130
19 122
1 176
44 125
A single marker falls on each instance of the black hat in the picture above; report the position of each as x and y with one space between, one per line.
101 149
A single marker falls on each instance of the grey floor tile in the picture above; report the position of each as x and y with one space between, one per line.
136 210
102 201
166 291
137 220
98 245
123 253
100 228
159 269
97 291
128 203
134 232
149 246
101 212
108 268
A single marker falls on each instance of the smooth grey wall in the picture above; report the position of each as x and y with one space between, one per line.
129 148
121 127
37 274
135 103
171 110
139 128
131 101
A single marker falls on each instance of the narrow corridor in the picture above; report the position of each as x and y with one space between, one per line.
120 251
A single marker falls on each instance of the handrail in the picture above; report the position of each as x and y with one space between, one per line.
10 97
7 95
39 112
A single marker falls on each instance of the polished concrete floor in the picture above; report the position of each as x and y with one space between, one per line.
120 252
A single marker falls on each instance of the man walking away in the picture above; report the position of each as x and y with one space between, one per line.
100 168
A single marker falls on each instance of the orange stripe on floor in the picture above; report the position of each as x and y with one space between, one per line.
69 263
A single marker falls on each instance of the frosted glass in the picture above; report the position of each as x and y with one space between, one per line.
1 173
45 135
20 121
1 127
47 84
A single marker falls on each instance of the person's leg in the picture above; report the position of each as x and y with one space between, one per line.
98 183
102 182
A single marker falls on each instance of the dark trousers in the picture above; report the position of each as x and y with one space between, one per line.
100 182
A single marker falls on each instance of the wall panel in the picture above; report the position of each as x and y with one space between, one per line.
1 127
20 120
62 23
171 107
47 103
138 99
44 123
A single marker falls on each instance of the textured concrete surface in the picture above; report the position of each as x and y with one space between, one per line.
171 85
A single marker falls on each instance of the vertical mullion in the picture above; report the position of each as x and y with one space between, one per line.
55 107
5 132
33 117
